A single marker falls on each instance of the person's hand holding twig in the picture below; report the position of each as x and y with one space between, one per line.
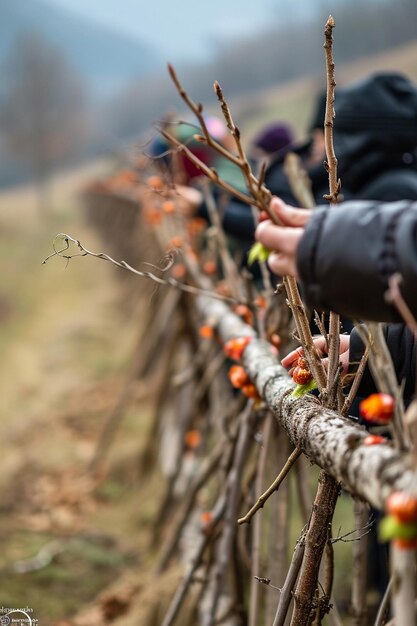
283 240
320 343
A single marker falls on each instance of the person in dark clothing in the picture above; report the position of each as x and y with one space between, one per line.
343 257
375 140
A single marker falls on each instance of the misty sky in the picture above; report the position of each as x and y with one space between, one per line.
178 28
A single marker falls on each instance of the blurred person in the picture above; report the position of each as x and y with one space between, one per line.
271 139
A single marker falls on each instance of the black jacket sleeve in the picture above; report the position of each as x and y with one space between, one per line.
402 348
348 252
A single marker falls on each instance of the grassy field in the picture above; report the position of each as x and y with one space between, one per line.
65 347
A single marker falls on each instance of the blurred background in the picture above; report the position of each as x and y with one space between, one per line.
81 84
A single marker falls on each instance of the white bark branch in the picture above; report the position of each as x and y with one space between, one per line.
331 441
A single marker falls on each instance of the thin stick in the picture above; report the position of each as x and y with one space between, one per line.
228 532
360 566
316 540
229 266
333 380
356 382
299 181
272 488
257 527
291 579
383 607
196 291
205 540
394 296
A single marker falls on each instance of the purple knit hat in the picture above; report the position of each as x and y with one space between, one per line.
274 137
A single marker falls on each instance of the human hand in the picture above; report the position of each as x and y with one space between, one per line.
283 240
290 361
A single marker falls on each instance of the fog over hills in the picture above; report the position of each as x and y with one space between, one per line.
104 57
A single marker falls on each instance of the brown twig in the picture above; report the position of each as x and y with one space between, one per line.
289 584
260 197
257 527
232 495
356 382
299 181
316 540
360 566
172 282
333 379
205 540
395 297
272 488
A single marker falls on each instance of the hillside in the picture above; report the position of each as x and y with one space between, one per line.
293 101
102 56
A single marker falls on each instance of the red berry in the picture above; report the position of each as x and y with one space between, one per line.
234 347
245 313
238 376
378 408
373 440
250 391
402 506
405 544
301 376
303 363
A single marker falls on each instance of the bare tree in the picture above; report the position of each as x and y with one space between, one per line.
42 110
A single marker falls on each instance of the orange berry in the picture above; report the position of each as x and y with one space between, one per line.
260 302
245 313
192 439
303 363
238 376
250 391
209 267
168 207
234 347
301 376
378 408
206 519
373 440
127 176
156 183
206 332
153 216
402 506
176 242
196 225
405 544
179 271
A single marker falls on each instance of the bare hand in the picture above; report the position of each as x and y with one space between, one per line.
283 240
320 343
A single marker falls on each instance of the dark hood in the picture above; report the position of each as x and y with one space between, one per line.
375 128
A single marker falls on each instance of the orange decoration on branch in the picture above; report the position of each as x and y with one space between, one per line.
206 332
377 408
402 506
238 376
234 347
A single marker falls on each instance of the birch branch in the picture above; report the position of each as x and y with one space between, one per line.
331 441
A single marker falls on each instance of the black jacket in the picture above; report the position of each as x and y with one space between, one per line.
348 252
345 258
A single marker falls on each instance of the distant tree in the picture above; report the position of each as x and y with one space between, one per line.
42 109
